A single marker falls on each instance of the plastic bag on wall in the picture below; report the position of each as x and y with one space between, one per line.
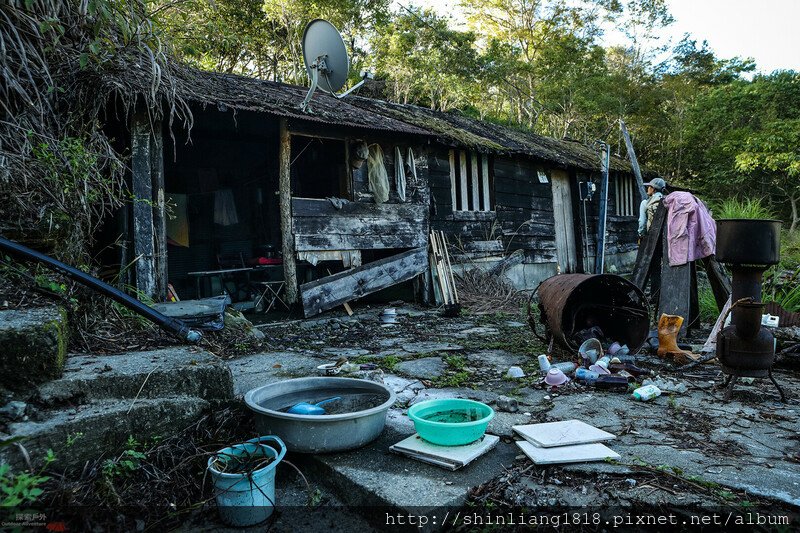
378 178
399 174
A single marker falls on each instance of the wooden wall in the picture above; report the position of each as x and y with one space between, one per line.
522 216
523 213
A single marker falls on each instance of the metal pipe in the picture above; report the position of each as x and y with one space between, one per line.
170 324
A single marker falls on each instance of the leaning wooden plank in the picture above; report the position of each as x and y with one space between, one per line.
437 265
449 269
508 262
676 288
719 281
649 250
331 291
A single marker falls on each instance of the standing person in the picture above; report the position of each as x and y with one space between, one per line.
655 192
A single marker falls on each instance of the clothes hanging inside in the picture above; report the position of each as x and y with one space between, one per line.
225 208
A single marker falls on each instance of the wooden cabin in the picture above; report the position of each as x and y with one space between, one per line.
259 192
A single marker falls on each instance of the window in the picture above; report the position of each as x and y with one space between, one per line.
470 181
626 196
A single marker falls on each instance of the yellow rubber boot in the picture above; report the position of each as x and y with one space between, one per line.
668 328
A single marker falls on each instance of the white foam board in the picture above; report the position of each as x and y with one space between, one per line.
450 457
565 433
579 453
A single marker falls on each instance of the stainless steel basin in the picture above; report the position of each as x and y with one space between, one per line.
357 419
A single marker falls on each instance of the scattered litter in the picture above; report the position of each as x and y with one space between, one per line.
566 368
646 393
564 433
449 457
515 372
631 482
584 374
544 363
389 316
590 350
555 377
666 385
612 382
509 405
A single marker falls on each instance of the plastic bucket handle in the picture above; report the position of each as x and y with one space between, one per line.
271 438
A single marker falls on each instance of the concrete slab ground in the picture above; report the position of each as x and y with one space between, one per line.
696 441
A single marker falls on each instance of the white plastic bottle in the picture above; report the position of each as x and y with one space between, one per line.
646 393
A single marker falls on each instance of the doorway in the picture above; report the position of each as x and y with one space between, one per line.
566 252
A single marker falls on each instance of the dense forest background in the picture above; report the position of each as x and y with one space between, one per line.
699 120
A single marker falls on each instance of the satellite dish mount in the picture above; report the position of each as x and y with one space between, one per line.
326 60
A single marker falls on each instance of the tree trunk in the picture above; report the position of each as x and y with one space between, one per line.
793 198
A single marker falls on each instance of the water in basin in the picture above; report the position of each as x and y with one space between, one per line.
453 416
352 400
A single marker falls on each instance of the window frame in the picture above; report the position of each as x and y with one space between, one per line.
467 194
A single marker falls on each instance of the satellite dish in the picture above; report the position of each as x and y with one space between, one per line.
326 59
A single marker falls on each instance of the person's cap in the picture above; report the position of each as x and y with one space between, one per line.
657 183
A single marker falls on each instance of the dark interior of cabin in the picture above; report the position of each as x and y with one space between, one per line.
221 191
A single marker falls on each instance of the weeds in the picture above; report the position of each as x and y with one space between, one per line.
23 488
749 208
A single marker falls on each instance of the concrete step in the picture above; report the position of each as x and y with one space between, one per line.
179 371
77 435
34 343
372 477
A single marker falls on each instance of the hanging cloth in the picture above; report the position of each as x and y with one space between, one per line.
225 208
399 174
378 178
412 168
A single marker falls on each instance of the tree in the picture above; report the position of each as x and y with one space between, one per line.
774 153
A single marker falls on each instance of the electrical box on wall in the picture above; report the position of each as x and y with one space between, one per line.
586 190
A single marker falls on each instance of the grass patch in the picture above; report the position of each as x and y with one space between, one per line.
454 380
455 362
749 208
708 306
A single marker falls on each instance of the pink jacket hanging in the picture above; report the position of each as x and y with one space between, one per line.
691 231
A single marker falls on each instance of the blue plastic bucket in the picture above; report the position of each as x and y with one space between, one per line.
247 499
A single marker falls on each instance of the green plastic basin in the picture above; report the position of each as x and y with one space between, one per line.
450 421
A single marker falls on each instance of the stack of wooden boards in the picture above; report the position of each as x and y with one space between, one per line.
570 441
444 285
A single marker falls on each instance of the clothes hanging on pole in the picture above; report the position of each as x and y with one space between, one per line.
378 178
225 208
412 167
691 231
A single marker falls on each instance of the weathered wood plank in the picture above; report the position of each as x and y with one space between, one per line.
331 291
475 182
486 193
484 246
353 226
142 189
307 243
453 177
313 207
676 288
285 206
648 249
159 212
462 178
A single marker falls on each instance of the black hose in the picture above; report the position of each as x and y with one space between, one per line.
170 324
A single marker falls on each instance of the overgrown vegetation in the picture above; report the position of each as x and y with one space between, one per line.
748 208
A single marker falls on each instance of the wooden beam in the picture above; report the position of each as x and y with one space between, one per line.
142 188
649 251
285 204
487 204
332 291
453 185
676 287
632 157
476 198
159 212
462 179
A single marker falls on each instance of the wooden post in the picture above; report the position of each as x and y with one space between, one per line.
600 249
463 180
159 212
285 200
476 201
142 188
453 185
634 162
